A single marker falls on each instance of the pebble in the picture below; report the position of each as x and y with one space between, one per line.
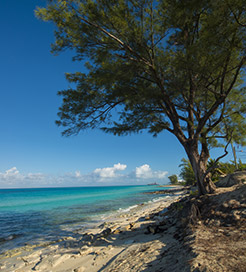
152 229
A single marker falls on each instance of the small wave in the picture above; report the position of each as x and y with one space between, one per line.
9 238
158 199
127 209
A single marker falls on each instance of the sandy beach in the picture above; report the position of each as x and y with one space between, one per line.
125 241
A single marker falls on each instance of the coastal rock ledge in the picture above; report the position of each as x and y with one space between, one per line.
232 179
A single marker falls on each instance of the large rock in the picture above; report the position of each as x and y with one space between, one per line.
232 179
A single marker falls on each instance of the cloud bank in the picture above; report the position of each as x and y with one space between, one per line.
113 175
145 172
110 172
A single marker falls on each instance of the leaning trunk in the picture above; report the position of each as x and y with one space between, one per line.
204 182
199 165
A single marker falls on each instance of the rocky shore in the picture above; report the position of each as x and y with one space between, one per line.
173 190
180 233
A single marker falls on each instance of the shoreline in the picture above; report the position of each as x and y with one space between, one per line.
54 221
77 252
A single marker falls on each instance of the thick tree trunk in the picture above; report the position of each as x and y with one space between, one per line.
199 165
204 182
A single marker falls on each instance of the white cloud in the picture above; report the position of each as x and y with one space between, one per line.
145 172
110 172
13 178
77 174
35 176
11 174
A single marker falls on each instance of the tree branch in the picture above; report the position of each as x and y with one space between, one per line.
217 121
219 158
219 101
237 18
107 33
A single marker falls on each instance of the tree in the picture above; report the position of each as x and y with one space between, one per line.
226 168
187 173
219 169
173 179
155 66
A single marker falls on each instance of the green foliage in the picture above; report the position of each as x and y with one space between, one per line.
144 57
220 169
241 165
155 65
194 193
187 173
173 179
229 167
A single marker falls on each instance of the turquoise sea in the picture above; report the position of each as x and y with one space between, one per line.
31 215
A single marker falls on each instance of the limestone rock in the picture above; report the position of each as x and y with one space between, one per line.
152 229
232 179
126 228
85 250
117 231
105 233
88 237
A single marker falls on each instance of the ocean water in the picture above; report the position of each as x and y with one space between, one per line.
28 216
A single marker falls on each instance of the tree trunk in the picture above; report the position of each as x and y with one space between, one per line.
199 165
204 183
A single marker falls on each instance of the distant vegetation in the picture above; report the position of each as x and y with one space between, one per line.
221 169
173 179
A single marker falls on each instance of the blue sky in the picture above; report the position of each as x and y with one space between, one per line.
32 151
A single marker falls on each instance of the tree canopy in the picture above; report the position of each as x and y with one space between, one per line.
173 179
155 66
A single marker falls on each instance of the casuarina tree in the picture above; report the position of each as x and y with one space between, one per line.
155 66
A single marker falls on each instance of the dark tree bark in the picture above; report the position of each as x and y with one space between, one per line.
199 166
